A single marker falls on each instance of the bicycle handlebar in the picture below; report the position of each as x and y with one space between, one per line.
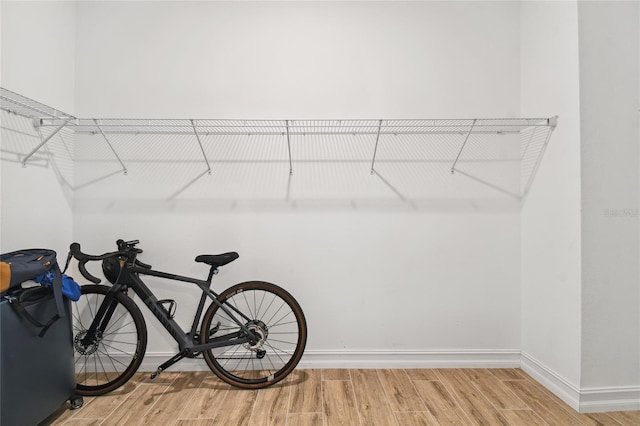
124 249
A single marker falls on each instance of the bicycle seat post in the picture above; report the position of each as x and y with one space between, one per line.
213 271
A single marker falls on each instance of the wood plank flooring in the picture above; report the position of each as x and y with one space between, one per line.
339 397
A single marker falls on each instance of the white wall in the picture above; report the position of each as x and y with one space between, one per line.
551 240
580 255
297 59
383 277
38 40
610 137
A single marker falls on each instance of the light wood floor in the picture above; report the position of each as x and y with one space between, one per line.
339 397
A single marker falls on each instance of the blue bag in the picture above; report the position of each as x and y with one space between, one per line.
70 288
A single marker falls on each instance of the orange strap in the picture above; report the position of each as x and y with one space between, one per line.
5 276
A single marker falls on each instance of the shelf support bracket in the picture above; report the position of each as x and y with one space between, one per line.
553 122
47 139
195 131
289 147
453 167
375 150
124 168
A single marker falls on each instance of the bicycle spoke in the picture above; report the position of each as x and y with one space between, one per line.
115 359
117 349
262 365
103 369
112 364
95 366
284 323
120 328
119 341
278 322
90 310
275 313
77 317
255 306
234 352
271 362
249 360
282 341
113 322
264 294
277 354
248 306
273 299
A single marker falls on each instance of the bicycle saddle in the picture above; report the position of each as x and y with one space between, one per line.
217 260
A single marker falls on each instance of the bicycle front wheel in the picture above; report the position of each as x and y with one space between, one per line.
276 319
112 356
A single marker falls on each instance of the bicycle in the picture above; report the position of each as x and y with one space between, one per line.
252 335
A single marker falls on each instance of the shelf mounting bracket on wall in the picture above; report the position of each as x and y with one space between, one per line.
453 167
289 147
553 123
193 124
124 168
47 139
375 150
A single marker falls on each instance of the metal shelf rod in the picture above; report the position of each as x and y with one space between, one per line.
47 139
345 133
289 147
201 148
462 147
303 126
375 150
537 164
124 168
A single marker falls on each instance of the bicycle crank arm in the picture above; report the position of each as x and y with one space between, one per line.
169 363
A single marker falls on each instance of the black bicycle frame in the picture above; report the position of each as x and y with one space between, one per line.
186 341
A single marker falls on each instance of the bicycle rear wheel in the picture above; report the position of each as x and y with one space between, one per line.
112 357
277 320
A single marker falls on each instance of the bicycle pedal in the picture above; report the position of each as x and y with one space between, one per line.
155 374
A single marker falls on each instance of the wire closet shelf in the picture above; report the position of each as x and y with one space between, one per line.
530 134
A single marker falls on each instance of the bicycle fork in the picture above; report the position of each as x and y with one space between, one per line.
98 326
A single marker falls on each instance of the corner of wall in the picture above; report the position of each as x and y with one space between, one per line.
38 61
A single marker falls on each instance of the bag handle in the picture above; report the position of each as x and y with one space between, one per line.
20 304
57 289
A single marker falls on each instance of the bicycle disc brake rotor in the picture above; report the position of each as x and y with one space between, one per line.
261 330
91 347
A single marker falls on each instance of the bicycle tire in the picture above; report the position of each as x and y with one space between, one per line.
275 316
112 359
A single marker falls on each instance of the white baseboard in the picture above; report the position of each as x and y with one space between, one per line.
370 359
562 388
410 359
583 400
597 400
